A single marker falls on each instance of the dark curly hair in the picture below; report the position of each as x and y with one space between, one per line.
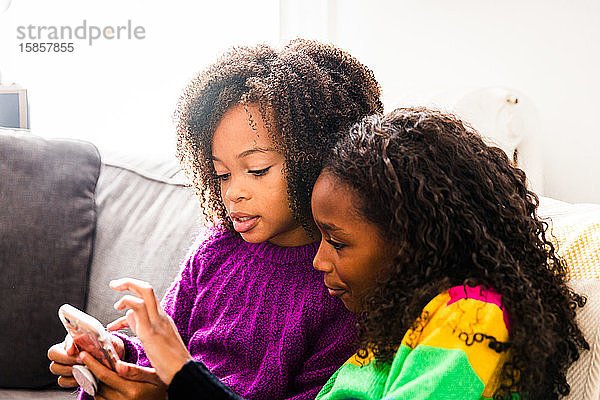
456 212
307 93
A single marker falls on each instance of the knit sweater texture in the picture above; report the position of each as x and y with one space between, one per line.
259 317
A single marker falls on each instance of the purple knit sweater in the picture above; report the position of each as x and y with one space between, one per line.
259 317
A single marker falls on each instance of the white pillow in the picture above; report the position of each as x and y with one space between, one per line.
584 375
575 230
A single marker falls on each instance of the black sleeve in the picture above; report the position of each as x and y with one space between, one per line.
195 381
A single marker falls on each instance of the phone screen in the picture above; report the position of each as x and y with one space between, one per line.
89 335
90 342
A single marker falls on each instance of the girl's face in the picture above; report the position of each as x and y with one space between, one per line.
253 187
352 251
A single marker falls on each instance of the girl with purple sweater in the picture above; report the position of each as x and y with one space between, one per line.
253 131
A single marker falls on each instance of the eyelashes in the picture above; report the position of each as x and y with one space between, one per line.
336 245
259 172
255 172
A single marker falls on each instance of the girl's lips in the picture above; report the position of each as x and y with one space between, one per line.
243 225
336 292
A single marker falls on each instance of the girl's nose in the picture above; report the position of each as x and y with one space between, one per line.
321 262
236 192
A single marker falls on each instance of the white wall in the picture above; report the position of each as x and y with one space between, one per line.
125 92
122 93
550 50
546 49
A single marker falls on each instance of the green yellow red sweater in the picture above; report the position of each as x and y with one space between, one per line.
448 355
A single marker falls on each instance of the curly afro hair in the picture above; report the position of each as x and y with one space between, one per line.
307 93
456 211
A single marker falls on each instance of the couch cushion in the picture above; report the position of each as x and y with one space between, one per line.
584 374
575 231
47 222
148 216
28 394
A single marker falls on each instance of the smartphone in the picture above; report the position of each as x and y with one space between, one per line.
89 335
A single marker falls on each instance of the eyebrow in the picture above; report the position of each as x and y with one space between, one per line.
252 151
247 153
329 227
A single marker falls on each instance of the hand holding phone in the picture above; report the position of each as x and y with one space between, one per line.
62 357
89 335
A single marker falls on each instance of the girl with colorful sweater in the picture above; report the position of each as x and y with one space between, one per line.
433 238
253 132
466 298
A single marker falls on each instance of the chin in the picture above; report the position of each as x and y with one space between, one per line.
351 305
250 237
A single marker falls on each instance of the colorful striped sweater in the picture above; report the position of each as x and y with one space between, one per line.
447 356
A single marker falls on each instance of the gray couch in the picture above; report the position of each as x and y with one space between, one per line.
71 220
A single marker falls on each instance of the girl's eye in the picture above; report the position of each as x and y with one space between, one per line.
336 245
259 172
223 177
